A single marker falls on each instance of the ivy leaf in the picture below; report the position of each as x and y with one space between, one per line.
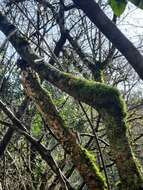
118 6
137 3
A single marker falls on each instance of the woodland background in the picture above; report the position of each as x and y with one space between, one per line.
71 103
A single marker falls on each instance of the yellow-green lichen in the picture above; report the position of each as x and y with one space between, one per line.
90 160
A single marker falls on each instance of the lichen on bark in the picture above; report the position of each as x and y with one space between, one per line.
105 99
81 158
91 160
110 105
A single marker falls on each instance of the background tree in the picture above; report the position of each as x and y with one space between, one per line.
55 38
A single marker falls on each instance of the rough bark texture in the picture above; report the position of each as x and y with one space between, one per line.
105 99
82 159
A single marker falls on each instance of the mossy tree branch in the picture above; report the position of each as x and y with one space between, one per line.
81 158
105 99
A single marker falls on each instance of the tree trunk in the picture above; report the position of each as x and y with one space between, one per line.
105 99
81 158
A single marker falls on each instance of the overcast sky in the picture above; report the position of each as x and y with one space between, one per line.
132 24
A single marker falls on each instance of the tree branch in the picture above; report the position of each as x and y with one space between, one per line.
105 99
110 30
45 154
81 158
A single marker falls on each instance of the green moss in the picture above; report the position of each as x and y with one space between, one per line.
44 96
138 168
97 95
108 101
90 160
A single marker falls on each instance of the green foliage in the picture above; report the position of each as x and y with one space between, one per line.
67 110
36 126
118 6
39 169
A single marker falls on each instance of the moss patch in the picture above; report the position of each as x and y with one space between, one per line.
90 160
97 95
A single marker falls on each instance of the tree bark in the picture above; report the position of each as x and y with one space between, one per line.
81 158
105 99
